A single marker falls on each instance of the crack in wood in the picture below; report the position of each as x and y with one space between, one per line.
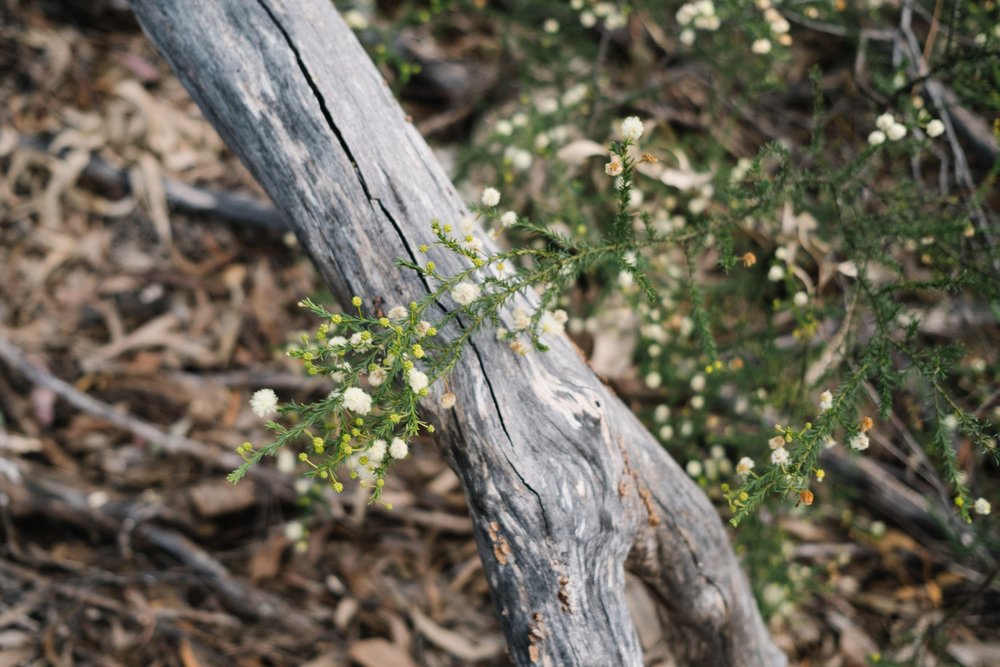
233 60
319 97
403 239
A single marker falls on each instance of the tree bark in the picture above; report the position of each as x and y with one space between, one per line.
565 486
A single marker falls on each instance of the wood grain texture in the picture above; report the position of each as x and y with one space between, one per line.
564 484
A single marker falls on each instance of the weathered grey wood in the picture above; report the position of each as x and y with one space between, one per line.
564 484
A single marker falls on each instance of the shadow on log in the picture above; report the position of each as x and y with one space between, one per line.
565 486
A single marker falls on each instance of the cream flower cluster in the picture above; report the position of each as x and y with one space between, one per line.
858 442
779 456
888 128
701 14
778 24
417 379
519 158
982 506
605 12
357 401
698 15
549 322
465 292
377 450
553 322
632 129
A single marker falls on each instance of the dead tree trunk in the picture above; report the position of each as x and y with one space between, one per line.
566 488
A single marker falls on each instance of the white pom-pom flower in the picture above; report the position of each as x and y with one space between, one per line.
376 453
744 467
549 323
885 121
398 449
858 442
376 378
264 403
982 506
417 379
632 128
357 401
491 197
465 293
896 132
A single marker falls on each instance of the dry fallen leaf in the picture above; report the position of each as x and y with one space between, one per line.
18 444
856 645
461 647
217 497
577 152
265 563
379 653
187 655
975 654
8 140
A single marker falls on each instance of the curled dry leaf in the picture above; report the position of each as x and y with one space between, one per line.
8 140
577 152
153 195
161 134
848 268
18 444
57 50
378 652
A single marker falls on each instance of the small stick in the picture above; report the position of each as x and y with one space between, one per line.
174 444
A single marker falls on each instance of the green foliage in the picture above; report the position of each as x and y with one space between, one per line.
789 274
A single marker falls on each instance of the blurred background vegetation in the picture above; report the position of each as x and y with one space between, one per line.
808 254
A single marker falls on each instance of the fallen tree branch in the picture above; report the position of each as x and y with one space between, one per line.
174 444
232 206
34 490
564 484
45 586
225 461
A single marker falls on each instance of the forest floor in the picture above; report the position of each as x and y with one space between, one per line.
133 330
